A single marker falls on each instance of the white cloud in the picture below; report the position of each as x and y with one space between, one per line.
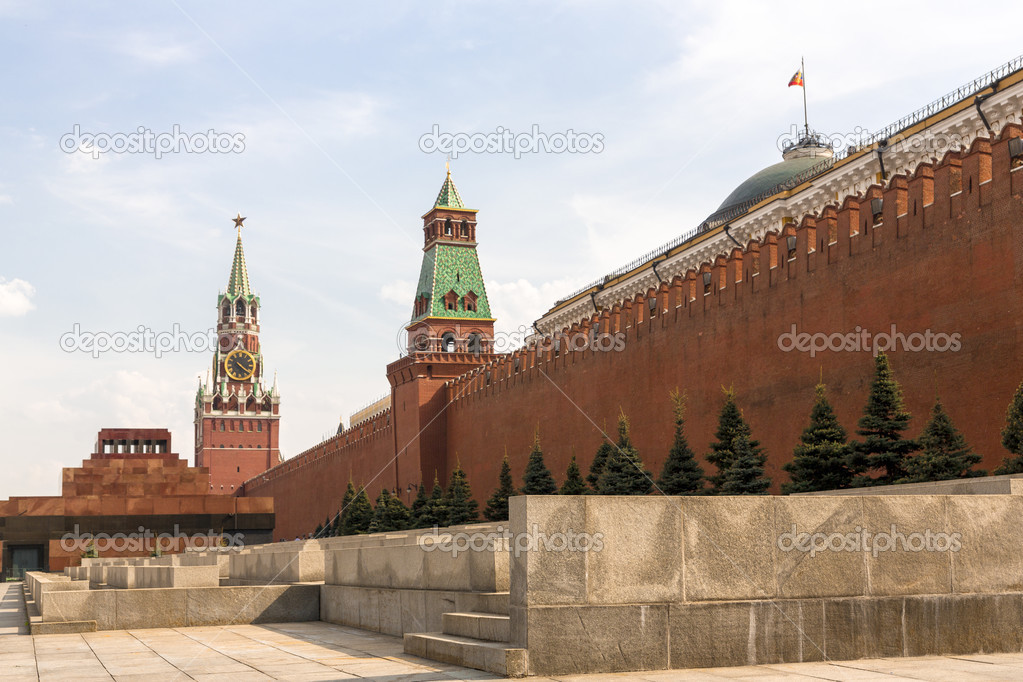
152 49
15 297
284 129
608 218
399 291
127 397
519 303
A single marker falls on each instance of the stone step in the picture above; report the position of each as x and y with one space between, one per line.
491 627
487 602
493 657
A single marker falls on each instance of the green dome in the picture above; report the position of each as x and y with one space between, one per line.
769 178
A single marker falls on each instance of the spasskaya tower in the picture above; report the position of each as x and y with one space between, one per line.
237 418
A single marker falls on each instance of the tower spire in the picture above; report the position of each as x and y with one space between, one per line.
448 196
239 280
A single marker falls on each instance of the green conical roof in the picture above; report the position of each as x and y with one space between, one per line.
239 282
449 268
448 196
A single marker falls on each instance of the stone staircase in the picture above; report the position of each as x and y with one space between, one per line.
474 639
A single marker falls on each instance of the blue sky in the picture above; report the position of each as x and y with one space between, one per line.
332 100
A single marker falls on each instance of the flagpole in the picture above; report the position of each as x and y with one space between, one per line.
806 119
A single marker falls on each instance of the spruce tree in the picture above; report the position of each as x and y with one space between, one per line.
497 505
435 511
745 475
359 516
681 474
462 508
884 419
574 483
605 450
319 530
731 426
346 502
821 460
1012 436
335 525
538 479
623 472
418 505
943 454
390 513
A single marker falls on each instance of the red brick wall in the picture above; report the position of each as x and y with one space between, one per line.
309 487
247 446
954 266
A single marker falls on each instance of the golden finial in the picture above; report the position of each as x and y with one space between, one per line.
447 164
238 222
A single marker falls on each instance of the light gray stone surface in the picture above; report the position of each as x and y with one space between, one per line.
991 529
729 548
640 556
614 638
553 577
830 573
897 571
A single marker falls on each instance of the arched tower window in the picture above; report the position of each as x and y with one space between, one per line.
226 312
447 227
239 308
465 229
475 343
447 342
253 310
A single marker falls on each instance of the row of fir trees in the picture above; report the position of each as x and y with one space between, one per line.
451 507
824 459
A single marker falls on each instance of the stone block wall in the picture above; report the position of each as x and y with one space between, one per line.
693 581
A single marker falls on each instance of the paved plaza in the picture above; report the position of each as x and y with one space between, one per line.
322 651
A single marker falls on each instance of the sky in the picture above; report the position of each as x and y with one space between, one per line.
318 112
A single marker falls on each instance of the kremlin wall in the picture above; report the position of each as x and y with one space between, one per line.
927 247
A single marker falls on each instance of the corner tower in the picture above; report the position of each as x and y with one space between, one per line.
451 312
237 418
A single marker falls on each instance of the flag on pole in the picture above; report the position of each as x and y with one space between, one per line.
797 79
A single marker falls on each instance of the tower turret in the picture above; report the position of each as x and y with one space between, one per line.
451 312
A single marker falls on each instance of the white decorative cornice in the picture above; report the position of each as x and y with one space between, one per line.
848 177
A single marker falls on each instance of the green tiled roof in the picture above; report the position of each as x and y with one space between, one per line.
239 282
448 196
452 268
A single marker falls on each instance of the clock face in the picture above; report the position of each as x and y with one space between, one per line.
240 365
